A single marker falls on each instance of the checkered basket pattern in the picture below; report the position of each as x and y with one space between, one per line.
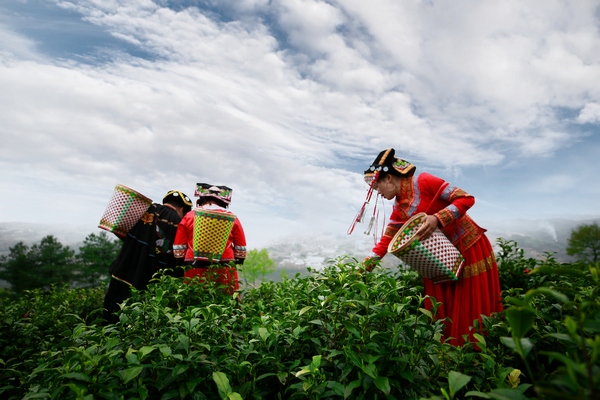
211 231
435 258
124 210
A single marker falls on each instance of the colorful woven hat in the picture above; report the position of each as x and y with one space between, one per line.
386 161
222 193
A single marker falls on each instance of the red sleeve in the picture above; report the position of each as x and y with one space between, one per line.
238 239
460 201
182 237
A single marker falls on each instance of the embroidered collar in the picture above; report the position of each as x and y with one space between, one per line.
405 197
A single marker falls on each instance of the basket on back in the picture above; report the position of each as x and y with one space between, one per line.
124 210
211 233
434 258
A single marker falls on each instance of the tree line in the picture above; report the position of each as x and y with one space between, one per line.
49 263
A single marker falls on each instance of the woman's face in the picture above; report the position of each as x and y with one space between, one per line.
387 187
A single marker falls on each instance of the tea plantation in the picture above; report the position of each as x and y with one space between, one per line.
334 334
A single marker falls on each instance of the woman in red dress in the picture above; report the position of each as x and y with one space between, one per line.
211 239
477 291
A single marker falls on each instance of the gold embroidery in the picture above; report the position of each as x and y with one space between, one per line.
444 216
456 194
471 232
391 231
147 218
405 197
479 267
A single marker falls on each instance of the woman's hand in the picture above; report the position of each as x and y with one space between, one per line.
428 227
369 263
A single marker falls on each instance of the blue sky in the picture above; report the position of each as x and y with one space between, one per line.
288 101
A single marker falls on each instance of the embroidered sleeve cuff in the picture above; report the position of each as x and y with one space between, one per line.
179 250
391 231
239 251
446 216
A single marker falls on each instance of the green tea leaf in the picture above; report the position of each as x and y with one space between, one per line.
131 373
383 384
304 370
351 386
473 393
78 376
548 292
282 376
520 320
222 383
305 309
356 360
180 369
457 381
146 350
370 370
263 333
316 362
336 387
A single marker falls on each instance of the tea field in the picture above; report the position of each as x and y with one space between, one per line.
332 334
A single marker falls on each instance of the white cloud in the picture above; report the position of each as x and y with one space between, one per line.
447 84
589 114
555 183
16 46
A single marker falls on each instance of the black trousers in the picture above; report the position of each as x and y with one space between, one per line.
116 293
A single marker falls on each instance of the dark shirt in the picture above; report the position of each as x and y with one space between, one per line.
147 247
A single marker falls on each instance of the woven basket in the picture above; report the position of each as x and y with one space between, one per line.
124 210
434 258
211 232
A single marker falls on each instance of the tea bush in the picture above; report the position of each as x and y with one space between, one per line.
336 333
40 321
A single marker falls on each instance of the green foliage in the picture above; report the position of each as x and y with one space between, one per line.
94 257
257 265
568 340
40 321
330 334
584 243
553 329
516 271
41 265
333 334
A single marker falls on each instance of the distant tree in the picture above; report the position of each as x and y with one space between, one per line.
584 243
94 258
42 265
284 275
257 264
10 265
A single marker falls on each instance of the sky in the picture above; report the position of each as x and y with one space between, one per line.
289 101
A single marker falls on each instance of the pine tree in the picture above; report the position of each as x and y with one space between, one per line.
95 257
39 266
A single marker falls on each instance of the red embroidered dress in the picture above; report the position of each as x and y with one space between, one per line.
477 292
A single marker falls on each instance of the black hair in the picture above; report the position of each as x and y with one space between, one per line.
177 201
207 199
